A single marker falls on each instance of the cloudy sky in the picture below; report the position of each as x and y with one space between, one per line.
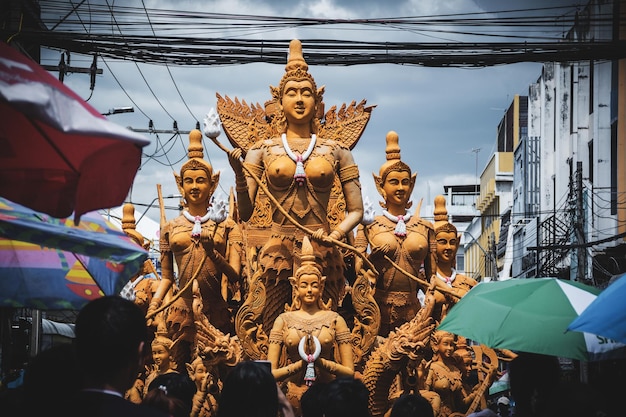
442 115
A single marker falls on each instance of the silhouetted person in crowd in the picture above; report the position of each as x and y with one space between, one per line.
310 401
345 397
504 407
111 344
533 377
411 405
171 392
250 390
51 380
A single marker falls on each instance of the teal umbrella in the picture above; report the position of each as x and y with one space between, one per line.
530 315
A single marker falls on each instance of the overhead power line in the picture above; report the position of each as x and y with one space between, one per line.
221 52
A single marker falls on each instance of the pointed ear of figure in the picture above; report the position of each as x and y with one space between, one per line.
378 181
215 179
292 281
413 180
190 370
179 184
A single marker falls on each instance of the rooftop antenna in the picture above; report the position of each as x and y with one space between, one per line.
476 150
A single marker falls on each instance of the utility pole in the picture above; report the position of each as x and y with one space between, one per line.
494 259
579 215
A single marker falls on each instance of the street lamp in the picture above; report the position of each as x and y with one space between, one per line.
152 203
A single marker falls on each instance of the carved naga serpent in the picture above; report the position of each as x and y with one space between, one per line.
407 343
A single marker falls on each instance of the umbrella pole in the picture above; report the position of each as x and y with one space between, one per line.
35 334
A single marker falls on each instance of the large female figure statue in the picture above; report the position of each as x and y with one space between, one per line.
311 335
397 237
205 247
449 286
300 168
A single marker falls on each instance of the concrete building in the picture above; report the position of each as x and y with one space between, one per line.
489 252
569 192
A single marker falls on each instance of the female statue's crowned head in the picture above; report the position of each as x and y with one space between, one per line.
297 84
396 181
196 181
443 344
308 282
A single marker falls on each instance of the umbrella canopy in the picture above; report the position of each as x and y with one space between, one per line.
59 155
51 264
606 315
529 315
501 385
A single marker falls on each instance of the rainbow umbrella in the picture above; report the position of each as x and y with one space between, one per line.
52 264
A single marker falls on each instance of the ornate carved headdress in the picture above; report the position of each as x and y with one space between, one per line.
393 164
195 153
438 335
308 266
441 223
296 70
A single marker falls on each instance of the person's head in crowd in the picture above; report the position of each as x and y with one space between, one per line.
310 401
504 405
533 377
249 390
171 392
51 377
411 405
111 342
345 397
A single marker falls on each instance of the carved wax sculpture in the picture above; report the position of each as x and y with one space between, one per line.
207 248
443 376
311 335
138 288
449 285
162 359
298 201
298 178
399 237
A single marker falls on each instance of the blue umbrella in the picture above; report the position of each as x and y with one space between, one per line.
52 264
606 315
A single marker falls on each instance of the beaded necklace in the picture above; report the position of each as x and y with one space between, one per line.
197 222
447 280
298 158
400 222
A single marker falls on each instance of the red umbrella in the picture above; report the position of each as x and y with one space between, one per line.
58 155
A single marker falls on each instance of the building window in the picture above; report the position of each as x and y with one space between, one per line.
460 262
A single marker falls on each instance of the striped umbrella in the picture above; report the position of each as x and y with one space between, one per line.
530 315
52 264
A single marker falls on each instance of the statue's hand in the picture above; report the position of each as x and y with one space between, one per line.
152 307
206 238
234 158
319 235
